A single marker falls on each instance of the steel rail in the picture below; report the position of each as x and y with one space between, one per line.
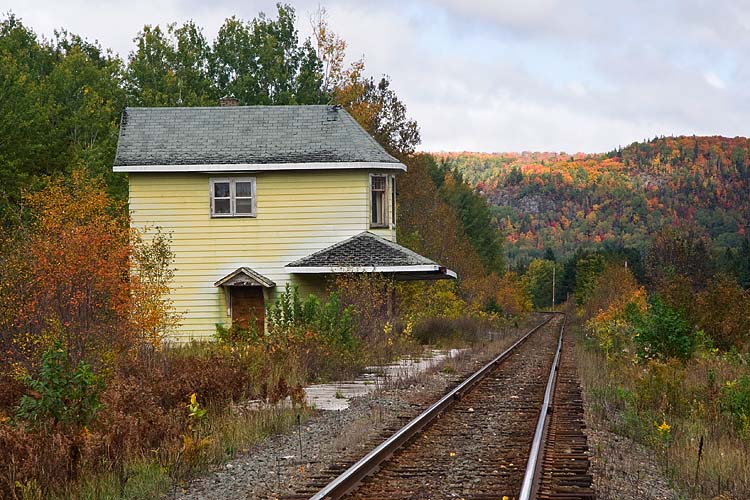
351 477
532 466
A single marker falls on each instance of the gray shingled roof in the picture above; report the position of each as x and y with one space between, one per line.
364 250
243 135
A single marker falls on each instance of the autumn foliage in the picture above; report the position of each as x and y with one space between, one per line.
67 276
571 201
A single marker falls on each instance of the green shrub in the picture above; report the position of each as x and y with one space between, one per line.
329 321
735 402
66 394
320 333
663 333
235 335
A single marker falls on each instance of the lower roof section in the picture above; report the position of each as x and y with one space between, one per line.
402 273
370 253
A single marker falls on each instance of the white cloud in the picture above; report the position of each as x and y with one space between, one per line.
541 74
714 80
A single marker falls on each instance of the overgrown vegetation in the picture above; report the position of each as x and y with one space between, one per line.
667 364
91 400
86 383
317 336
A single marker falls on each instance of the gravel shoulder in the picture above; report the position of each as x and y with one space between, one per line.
623 469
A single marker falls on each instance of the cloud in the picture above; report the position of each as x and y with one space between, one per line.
566 75
714 80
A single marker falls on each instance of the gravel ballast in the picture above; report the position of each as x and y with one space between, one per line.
274 468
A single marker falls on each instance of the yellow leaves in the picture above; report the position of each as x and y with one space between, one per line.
452 454
194 408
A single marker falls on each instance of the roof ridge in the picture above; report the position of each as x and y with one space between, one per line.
254 106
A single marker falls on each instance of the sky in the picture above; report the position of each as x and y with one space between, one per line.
531 75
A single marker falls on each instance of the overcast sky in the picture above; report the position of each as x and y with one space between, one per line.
546 75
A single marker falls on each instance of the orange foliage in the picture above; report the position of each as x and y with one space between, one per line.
640 188
67 275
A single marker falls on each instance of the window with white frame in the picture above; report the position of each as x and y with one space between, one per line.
378 201
393 201
233 197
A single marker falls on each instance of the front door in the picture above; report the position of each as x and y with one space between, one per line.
247 303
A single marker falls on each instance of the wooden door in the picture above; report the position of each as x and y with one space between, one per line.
247 302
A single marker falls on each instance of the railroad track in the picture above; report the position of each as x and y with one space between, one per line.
494 435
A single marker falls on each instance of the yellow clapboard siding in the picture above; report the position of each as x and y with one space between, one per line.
298 213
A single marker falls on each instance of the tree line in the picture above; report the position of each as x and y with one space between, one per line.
61 100
619 198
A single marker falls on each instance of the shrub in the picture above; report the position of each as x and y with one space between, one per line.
329 320
67 394
317 336
735 402
438 331
723 312
235 335
67 276
663 333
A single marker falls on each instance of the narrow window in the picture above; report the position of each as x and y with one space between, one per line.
244 200
233 197
378 204
393 201
222 200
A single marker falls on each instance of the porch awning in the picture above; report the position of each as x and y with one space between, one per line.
370 253
244 276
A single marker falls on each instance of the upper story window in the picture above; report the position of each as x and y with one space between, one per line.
378 200
233 197
393 201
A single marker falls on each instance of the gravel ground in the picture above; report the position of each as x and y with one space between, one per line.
623 469
274 468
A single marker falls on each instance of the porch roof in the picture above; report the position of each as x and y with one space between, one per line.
370 253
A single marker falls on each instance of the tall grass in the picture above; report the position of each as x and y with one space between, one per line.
154 475
634 400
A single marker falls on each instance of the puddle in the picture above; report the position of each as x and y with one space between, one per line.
336 395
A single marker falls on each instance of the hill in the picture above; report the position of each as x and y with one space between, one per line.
619 198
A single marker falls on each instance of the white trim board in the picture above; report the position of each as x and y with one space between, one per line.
262 167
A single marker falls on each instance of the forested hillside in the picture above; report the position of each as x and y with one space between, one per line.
569 202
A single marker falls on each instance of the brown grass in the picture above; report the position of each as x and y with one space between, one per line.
632 400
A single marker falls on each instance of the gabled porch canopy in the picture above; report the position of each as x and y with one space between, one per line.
370 253
244 276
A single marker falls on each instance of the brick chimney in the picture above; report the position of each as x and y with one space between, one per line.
229 101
